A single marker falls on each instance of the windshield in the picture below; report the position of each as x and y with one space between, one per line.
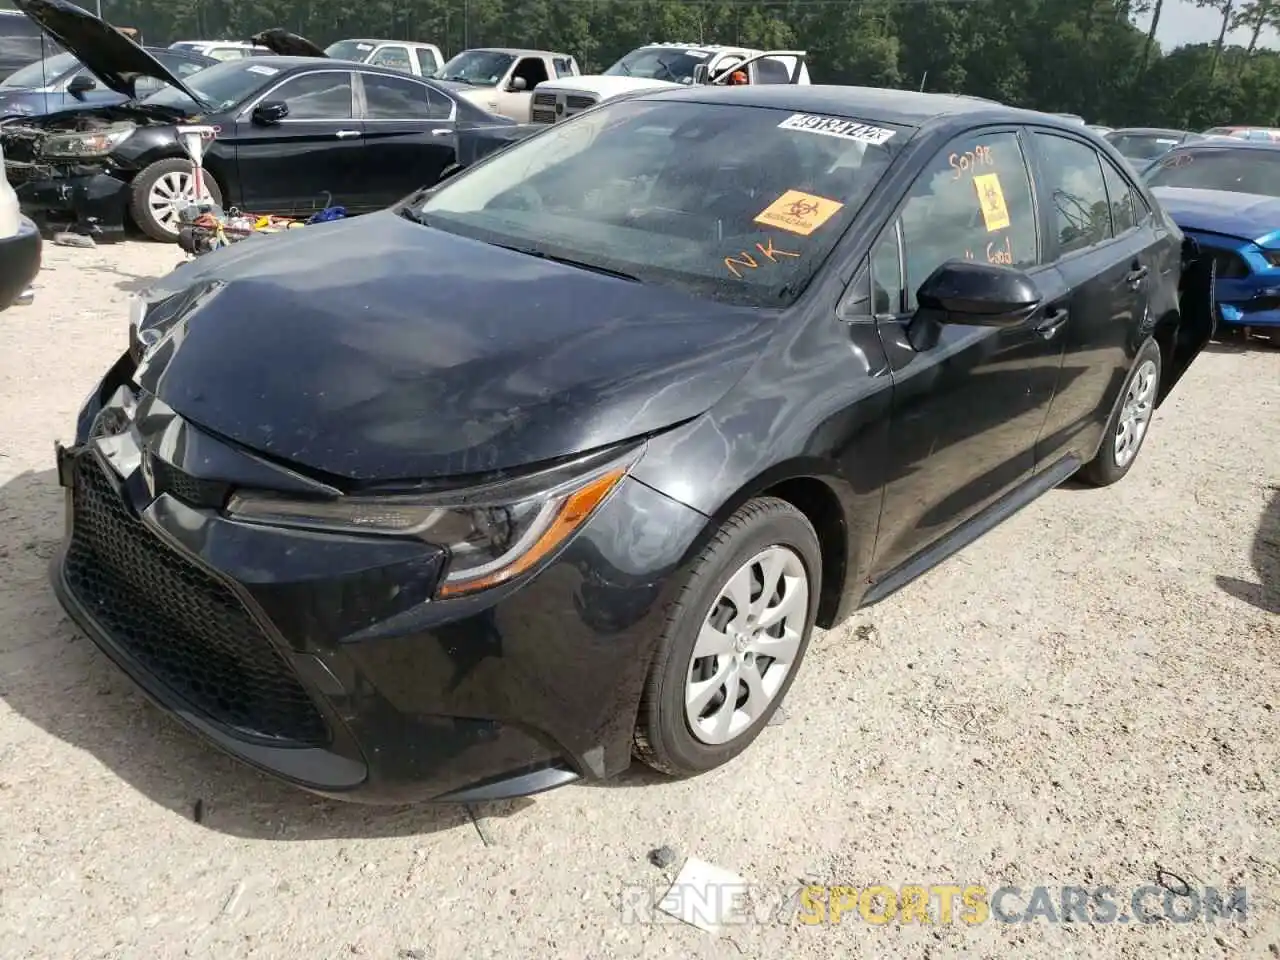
480 68
1144 146
221 86
732 203
40 73
659 63
357 50
1236 171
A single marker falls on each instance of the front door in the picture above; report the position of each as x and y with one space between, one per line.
967 408
515 103
409 136
1105 250
314 155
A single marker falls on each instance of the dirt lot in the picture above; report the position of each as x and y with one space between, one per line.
1089 695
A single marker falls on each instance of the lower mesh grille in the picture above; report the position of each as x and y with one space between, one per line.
184 627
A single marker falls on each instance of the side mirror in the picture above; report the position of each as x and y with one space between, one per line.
80 85
701 74
270 112
972 293
517 84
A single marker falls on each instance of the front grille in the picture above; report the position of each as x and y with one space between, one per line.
1230 265
579 103
542 116
190 490
544 100
180 624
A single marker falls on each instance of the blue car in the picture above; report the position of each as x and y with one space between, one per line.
1226 195
62 81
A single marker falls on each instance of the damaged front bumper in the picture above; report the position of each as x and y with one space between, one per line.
84 196
323 659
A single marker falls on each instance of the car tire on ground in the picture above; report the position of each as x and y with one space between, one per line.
726 631
1130 420
158 193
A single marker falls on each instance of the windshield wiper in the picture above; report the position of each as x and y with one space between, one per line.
570 262
469 83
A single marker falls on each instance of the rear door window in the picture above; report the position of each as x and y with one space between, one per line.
396 57
769 70
1124 204
426 61
1074 192
393 98
564 67
973 202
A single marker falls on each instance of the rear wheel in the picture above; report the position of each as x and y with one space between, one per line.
1128 425
161 192
733 642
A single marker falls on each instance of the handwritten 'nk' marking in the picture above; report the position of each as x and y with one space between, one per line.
747 261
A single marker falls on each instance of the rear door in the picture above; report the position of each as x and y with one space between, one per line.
408 136
313 156
1105 251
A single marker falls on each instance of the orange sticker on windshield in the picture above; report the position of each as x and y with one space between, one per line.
798 212
991 200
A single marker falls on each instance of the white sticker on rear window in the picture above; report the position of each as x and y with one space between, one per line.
364 46
265 71
836 127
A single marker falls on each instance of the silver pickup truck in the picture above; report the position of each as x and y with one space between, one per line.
502 79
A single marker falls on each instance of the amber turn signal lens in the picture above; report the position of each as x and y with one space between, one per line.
572 513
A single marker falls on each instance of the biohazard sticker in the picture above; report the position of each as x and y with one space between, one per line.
837 127
798 212
991 201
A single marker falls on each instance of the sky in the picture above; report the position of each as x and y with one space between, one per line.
1183 22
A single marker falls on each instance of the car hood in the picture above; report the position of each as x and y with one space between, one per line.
112 57
605 86
285 44
377 349
1245 215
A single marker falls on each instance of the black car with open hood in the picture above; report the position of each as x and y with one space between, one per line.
290 135
560 461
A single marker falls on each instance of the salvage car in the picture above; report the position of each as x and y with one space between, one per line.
1141 145
419 59
294 134
63 82
1226 194
658 66
560 461
21 43
20 246
501 80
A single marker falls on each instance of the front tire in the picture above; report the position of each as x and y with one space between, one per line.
733 642
1127 428
161 191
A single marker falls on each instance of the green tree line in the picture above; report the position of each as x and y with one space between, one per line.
1077 56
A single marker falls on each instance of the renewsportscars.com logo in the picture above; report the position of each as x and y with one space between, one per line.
721 904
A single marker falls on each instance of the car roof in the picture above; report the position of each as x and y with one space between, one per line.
517 51
1152 131
292 64
1228 143
407 43
903 107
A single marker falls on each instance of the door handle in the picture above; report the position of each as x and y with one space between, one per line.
1136 276
343 134
441 131
1052 322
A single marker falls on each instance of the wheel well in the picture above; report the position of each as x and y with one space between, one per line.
818 503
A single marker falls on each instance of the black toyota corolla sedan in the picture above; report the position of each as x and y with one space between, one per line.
292 134
559 462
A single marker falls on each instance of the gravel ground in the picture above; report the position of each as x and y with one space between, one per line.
1089 695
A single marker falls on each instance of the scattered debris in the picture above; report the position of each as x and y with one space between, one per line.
1166 878
866 633
705 896
780 716
412 954
25 298
478 822
74 240
663 856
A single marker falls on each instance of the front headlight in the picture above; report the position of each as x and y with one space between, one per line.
491 533
95 143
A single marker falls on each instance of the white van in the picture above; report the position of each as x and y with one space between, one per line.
20 245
